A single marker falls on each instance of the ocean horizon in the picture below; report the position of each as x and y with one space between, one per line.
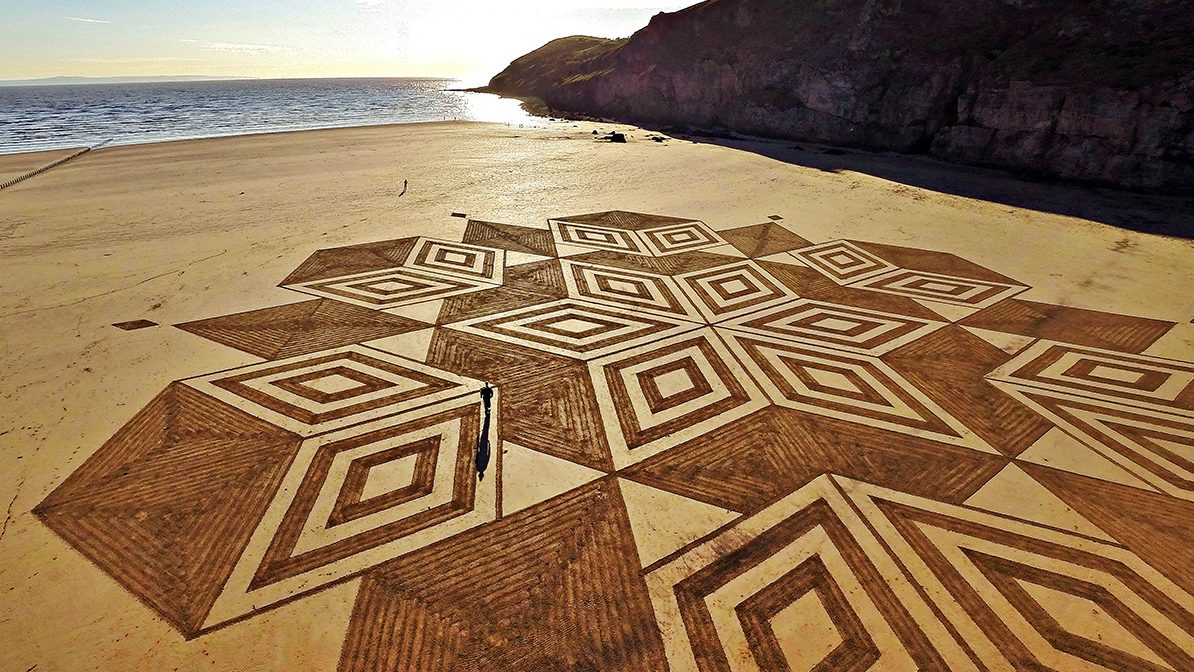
45 116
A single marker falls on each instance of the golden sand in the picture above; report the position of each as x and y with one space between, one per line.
180 231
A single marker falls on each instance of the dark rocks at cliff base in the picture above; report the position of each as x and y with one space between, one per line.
1092 91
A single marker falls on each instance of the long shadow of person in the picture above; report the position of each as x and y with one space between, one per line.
483 448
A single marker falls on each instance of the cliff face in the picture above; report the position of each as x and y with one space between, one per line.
1098 91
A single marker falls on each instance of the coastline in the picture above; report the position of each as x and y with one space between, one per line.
1144 212
254 134
184 230
64 132
250 135
532 105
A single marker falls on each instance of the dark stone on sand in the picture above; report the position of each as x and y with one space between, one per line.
135 324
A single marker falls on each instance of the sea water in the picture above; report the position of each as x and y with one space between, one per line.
34 118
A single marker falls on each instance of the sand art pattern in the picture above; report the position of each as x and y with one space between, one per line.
713 450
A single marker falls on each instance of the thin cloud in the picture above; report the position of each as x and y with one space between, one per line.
85 20
371 6
159 59
239 47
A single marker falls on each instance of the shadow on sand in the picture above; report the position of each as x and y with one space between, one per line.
1148 213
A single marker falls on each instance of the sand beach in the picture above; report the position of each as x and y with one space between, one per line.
178 232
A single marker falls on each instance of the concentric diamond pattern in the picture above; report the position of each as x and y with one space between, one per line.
640 442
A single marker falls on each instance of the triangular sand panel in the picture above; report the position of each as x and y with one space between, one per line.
427 311
663 523
413 344
1014 493
519 258
948 310
1061 451
727 250
566 250
1009 343
783 258
530 477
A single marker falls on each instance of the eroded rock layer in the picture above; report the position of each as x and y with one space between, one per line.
1101 92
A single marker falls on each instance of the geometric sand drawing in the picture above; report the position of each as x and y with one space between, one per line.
460 260
835 326
331 519
657 396
733 290
821 380
573 328
811 580
843 261
945 288
312 394
392 288
638 291
863 456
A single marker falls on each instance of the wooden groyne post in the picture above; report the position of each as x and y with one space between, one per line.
21 178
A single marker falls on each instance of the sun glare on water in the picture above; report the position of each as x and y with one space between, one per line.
489 107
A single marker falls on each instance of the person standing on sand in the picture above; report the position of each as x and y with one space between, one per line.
483 448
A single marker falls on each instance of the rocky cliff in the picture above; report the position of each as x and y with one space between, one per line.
1096 91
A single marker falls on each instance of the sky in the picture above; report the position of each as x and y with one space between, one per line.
466 39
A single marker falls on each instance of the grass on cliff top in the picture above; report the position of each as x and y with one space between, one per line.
556 62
